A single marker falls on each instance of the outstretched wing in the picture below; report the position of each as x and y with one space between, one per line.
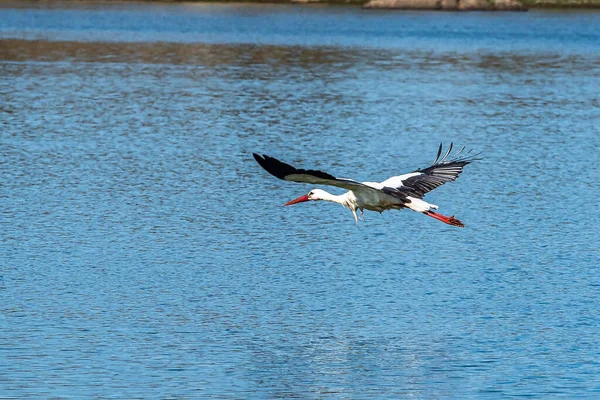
443 170
286 172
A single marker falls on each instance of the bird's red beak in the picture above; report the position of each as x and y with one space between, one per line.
300 199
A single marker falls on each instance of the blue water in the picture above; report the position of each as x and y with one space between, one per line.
144 254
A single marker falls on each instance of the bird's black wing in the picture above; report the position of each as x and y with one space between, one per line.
442 171
401 193
286 172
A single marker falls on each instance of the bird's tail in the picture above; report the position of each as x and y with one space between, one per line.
447 220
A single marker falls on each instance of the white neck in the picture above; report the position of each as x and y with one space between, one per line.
343 199
347 199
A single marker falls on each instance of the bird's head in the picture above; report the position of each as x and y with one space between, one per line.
315 194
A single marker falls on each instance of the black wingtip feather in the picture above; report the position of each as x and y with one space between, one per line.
438 153
457 157
273 166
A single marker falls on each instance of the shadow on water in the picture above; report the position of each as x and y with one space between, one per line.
284 57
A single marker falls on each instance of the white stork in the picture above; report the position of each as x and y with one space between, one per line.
397 192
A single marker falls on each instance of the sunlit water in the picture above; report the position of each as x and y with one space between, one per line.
144 254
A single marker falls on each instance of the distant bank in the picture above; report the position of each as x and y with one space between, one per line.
448 5
442 5
459 5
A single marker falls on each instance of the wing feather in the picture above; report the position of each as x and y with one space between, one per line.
286 172
442 171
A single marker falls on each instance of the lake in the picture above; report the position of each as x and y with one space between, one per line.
145 254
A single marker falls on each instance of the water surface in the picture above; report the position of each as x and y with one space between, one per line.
145 254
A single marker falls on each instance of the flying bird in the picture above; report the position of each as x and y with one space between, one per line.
397 192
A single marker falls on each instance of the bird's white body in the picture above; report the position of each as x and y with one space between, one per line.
370 200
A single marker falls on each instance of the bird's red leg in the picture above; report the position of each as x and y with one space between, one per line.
447 220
